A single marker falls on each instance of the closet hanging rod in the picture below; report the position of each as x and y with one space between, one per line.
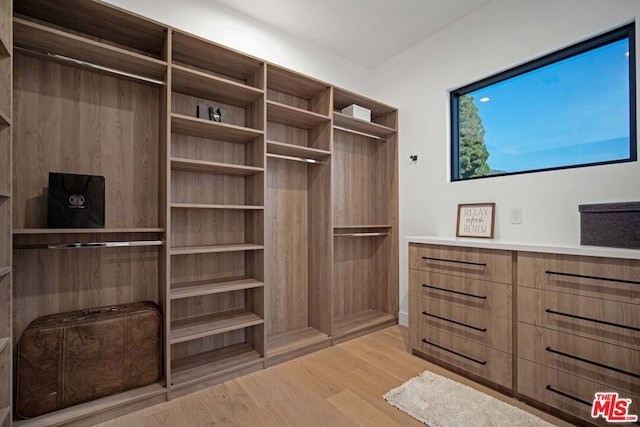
297 159
88 245
91 65
368 135
359 234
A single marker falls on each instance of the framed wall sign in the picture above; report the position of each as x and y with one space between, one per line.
476 220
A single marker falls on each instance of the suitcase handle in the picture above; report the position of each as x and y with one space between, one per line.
88 312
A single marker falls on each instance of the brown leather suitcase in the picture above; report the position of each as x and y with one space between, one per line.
70 358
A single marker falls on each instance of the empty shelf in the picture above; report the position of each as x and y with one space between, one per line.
361 322
204 206
203 366
185 125
292 116
361 126
208 287
284 149
212 324
202 166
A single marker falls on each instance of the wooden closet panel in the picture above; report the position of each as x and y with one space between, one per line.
5 233
320 247
187 105
204 227
283 98
198 267
360 272
193 187
51 281
288 134
191 147
5 159
202 345
202 305
76 121
359 180
5 315
286 245
5 85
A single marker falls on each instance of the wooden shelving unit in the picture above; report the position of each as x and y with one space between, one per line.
297 203
6 202
284 203
365 218
215 284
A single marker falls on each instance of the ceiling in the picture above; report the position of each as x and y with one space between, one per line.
367 32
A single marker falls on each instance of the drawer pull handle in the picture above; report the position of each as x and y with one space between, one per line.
479 362
617 325
581 276
479 264
454 292
567 395
601 365
455 321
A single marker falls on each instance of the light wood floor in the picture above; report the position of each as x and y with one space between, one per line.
338 386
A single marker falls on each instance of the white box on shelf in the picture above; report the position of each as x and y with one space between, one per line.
357 112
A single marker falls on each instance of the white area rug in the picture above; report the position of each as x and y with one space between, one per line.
440 402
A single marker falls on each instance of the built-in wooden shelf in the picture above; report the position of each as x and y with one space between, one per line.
4 119
39 38
292 116
209 287
361 322
201 166
203 85
5 194
212 324
291 344
343 98
96 407
203 366
192 250
202 54
361 126
4 414
4 271
284 149
27 231
201 128
203 206
3 345
290 82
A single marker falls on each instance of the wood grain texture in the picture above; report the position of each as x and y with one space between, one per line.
193 227
534 340
341 385
496 331
348 122
295 117
533 379
485 264
286 245
204 55
6 29
532 269
206 129
42 39
497 367
289 82
295 343
494 299
533 303
212 324
100 20
187 105
69 120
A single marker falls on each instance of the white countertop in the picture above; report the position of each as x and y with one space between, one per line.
566 249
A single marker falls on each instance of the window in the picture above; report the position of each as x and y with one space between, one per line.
575 107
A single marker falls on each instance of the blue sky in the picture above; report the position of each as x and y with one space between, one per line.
574 111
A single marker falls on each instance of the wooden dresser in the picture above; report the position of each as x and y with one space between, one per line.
549 325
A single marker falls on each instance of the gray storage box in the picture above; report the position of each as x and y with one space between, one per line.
615 225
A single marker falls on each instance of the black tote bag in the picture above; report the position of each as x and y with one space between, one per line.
75 201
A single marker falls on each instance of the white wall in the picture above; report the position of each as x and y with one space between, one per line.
496 37
218 23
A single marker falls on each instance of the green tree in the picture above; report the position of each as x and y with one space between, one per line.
473 151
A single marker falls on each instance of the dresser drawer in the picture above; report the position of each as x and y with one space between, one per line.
604 320
486 264
597 361
492 298
565 392
475 326
486 362
606 278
